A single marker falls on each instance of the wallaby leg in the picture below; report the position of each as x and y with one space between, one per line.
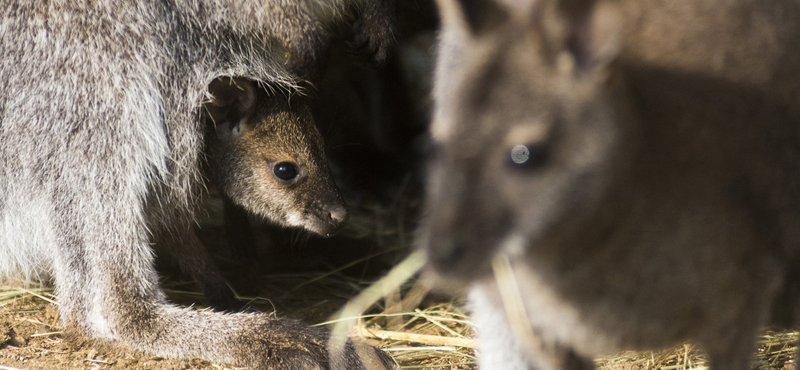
300 31
304 37
190 254
374 36
573 361
737 357
108 289
238 233
731 344
793 289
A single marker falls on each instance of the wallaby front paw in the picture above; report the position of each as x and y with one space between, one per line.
374 31
360 47
371 358
306 59
289 345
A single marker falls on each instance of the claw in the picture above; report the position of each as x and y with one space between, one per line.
373 35
308 62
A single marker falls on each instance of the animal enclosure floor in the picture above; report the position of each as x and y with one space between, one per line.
427 337
312 281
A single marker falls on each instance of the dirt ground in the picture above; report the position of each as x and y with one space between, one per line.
30 338
311 279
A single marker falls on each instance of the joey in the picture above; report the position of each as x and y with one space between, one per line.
266 155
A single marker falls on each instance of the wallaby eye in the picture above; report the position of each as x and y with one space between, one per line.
520 154
530 155
285 171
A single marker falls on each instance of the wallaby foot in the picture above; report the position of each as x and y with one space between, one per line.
249 340
374 31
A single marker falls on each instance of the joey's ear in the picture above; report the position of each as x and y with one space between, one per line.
232 102
477 16
588 32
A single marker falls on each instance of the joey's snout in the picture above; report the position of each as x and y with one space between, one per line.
330 222
338 215
328 218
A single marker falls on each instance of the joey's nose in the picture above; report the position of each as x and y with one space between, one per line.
328 220
338 216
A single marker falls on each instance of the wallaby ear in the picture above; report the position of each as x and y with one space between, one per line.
589 32
232 102
477 16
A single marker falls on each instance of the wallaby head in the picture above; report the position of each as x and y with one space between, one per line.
266 154
528 127
598 191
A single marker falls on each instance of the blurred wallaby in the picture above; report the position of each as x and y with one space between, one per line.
265 154
618 175
100 147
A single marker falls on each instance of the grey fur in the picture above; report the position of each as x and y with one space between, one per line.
661 200
100 147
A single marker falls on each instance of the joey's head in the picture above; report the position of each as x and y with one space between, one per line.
528 128
266 154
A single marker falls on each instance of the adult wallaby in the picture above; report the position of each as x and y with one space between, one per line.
617 174
265 154
100 145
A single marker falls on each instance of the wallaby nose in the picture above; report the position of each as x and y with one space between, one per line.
456 259
339 215
328 220
446 255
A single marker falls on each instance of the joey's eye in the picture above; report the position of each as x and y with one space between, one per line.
530 155
285 171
